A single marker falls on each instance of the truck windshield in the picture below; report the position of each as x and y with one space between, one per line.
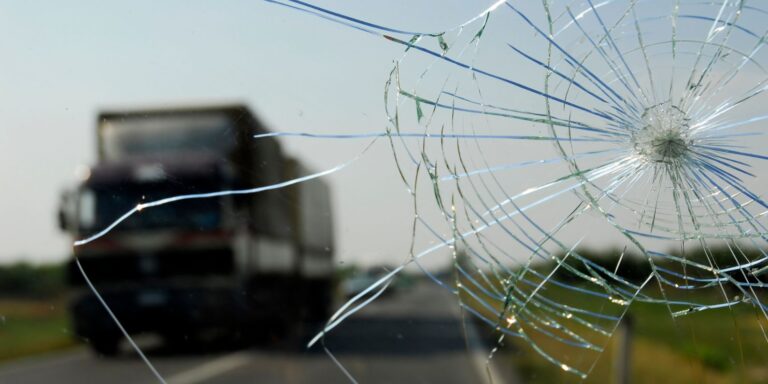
141 136
108 204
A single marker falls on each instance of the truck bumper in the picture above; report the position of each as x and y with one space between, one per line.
162 309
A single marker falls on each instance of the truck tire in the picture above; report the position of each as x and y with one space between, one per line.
105 346
321 300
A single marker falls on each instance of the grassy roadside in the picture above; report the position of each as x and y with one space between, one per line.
29 327
718 346
701 349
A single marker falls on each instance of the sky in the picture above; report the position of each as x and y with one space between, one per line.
298 73
64 63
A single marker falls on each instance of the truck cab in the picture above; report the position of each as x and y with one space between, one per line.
237 262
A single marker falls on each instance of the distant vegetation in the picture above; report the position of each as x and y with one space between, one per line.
25 280
636 268
33 310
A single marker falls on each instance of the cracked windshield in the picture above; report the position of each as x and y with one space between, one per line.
421 191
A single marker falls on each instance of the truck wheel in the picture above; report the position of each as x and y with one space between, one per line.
176 341
322 299
105 346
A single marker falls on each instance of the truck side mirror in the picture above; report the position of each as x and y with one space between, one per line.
62 220
65 211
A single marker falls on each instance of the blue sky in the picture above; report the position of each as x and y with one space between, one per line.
299 73
65 62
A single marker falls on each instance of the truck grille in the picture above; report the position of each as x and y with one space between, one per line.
141 267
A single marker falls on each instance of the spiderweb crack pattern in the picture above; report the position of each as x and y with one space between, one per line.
537 127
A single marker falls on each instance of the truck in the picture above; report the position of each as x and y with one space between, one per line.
236 263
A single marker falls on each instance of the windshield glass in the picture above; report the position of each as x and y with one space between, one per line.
141 136
437 191
109 203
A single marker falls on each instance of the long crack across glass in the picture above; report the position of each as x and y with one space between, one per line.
538 127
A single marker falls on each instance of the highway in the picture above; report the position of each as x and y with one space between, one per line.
414 336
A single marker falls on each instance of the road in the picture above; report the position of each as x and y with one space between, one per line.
413 336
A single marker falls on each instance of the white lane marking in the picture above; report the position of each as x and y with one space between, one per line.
485 367
211 369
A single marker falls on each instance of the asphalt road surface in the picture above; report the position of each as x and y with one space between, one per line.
413 336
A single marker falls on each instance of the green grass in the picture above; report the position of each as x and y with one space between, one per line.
29 327
716 346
